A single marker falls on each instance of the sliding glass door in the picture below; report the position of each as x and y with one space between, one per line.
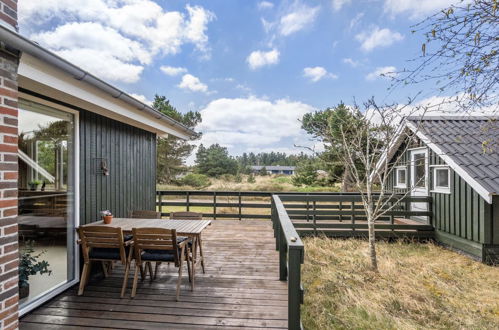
47 203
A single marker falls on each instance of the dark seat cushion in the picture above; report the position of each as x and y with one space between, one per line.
158 255
105 253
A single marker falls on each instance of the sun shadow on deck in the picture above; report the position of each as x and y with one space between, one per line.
241 288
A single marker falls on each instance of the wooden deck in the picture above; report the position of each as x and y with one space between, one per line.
241 289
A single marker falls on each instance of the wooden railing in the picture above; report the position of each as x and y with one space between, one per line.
344 216
291 257
224 204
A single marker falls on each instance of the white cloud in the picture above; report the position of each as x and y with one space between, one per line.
258 59
172 71
314 74
192 83
103 64
417 9
351 62
382 72
355 21
265 5
130 32
376 37
338 4
141 98
300 17
251 122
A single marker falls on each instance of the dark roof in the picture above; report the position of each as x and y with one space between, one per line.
273 168
471 142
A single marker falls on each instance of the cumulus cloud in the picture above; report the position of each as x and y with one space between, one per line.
192 83
251 122
265 5
338 4
129 32
376 37
258 59
382 72
417 9
298 18
314 74
172 71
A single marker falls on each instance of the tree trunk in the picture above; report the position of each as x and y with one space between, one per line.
372 238
346 182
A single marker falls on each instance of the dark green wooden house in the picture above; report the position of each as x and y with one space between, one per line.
455 160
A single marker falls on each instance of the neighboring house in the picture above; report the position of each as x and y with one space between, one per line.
71 146
455 160
277 169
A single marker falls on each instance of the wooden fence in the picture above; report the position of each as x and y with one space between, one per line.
225 204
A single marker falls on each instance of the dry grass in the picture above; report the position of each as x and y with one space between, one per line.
419 286
262 183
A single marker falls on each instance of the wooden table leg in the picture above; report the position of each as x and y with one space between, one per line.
194 261
201 256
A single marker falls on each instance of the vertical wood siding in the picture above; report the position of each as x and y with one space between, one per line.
131 158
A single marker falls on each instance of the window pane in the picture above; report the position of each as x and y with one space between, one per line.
46 190
419 170
442 179
401 176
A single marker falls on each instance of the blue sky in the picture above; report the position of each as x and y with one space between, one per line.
251 67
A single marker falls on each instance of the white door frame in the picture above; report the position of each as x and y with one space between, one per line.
76 216
419 191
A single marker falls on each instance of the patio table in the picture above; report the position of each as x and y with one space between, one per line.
190 228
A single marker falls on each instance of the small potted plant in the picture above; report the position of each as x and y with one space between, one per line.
30 265
33 185
107 216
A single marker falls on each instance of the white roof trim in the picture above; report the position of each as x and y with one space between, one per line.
47 80
452 164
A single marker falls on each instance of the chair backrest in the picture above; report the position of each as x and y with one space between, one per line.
186 216
144 214
101 237
156 239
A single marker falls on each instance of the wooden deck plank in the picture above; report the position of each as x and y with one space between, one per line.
241 289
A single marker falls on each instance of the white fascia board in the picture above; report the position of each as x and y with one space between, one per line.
47 80
452 164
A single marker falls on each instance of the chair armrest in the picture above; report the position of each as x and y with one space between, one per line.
184 243
129 242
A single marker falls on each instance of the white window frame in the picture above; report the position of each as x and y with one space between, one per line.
53 292
397 184
440 189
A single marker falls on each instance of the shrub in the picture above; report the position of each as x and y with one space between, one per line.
228 177
195 180
251 178
238 178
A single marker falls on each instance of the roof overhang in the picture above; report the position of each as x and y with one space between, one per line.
47 74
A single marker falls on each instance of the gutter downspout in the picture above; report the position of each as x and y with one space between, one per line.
23 44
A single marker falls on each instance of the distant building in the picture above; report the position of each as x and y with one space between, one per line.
277 169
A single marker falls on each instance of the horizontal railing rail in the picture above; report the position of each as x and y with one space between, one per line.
291 257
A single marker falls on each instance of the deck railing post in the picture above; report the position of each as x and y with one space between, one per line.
214 205
188 201
283 256
295 293
240 210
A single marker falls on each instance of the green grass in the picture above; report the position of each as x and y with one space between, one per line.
419 286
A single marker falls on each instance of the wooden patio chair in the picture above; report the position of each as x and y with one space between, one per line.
158 245
191 216
104 244
144 214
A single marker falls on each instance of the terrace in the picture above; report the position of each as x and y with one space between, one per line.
247 282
